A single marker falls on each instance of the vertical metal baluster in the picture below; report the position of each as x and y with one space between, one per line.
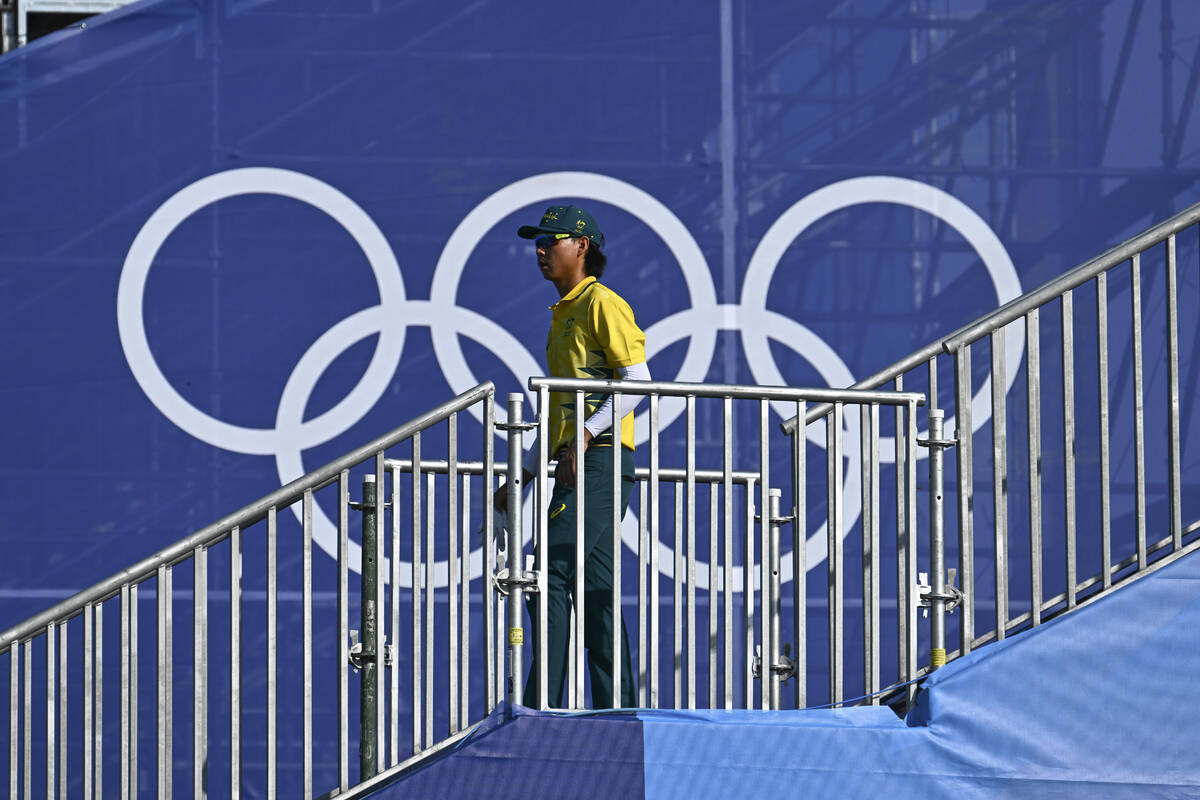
342 647
125 688
577 669
864 438
727 565
490 684
1033 391
464 588
62 711
169 666
368 632
768 600
370 617
394 677
170 681
133 691
771 649
272 653
910 548
427 568
800 553
912 530
199 683
164 686
933 384
748 599
690 494
867 575
381 611
1139 427
1068 403
617 639
937 542
51 633
543 547
1173 482
1102 398
1000 479
28 771
452 607
89 741
654 544
235 663
713 577
966 497
902 630
833 423
501 617
415 589
98 689
643 579
873 564
306 660
14 712
679 576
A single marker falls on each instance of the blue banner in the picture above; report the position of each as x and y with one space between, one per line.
240 237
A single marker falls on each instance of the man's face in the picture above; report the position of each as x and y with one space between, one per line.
559 258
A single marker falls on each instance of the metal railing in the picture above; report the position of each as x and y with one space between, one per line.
703 658
300 694
494 550
729 617
1046 566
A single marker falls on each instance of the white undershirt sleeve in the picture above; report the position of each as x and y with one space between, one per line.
601 421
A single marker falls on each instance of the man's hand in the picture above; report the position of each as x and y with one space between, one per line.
564 475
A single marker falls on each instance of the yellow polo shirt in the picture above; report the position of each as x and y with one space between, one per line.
592 334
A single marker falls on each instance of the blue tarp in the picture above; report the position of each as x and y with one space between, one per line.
1100 703
521 753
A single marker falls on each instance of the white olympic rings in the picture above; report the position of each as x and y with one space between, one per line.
447 320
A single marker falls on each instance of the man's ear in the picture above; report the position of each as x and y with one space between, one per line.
584 244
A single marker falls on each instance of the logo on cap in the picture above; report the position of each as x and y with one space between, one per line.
571 220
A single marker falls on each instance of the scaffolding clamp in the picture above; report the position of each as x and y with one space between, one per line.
359 658
952 595
515 426
504 581
785 667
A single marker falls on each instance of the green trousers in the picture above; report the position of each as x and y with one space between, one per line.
597 584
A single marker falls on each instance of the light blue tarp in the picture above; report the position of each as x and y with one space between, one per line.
1099 703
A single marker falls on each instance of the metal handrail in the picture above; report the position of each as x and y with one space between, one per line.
1057 287
674 474
761 622
718 390
1018 307
253 512
1057 297
370 655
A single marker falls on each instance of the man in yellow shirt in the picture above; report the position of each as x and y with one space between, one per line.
593 334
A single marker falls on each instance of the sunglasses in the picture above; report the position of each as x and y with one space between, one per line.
546 242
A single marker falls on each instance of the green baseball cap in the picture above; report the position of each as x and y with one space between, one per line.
571 220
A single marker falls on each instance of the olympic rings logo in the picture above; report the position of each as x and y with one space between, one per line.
448 321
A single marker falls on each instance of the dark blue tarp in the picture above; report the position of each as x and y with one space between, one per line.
535 754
